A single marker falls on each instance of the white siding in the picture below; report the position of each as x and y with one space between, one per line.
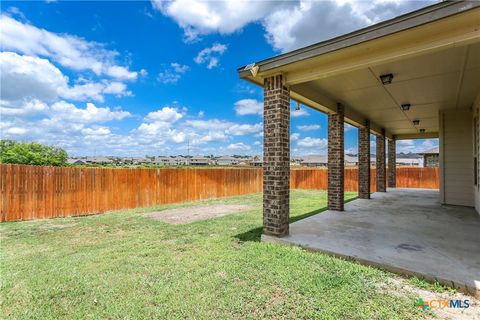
476 151
456 149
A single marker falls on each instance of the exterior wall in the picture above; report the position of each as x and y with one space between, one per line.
456 160
276 157
336 159
476 153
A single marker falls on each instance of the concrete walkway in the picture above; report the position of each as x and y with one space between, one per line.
405 231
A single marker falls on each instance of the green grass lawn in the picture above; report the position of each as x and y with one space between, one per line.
122 265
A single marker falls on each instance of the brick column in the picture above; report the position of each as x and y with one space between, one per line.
380 163
336 159
364 161
392 163
276 157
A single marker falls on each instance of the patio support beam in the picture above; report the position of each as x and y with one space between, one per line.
392 163
381 165
276 156
336 161
364 161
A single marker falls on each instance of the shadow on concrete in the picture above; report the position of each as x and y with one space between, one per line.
256 233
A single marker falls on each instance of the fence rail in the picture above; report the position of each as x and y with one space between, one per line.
35 192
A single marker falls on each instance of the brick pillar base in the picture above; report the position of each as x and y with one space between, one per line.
381 165
364 161
392 163
336 159
276 157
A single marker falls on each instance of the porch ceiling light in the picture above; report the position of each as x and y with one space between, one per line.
406 106
386 78
416 122
298 106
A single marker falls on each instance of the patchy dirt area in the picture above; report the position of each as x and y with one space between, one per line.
196 213
401 287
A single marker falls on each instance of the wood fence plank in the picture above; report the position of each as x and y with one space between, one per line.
35 192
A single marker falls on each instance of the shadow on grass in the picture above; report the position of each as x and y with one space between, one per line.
256 233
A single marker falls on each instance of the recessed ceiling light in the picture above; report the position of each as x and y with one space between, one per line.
386 78
416 122
406 106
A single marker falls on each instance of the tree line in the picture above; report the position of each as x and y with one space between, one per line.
32 153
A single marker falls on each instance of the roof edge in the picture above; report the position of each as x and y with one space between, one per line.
417 18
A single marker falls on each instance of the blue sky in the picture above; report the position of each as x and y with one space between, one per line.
158 78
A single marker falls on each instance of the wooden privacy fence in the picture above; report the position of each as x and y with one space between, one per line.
35 192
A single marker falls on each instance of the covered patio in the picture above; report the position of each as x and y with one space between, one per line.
412 77
403 230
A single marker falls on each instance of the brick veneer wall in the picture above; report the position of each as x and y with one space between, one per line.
381 165
276 157
364 161
336 159
392 163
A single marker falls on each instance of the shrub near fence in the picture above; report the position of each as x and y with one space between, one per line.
36 192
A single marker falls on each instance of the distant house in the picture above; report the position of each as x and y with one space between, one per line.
409 162
134 160
76 161
256 161
178 161
430 157
199 161
315 160
351 160
227 161
318 160
98 160
162 161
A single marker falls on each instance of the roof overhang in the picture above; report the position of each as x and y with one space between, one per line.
418 40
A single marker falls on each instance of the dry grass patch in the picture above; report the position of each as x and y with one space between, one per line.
187 215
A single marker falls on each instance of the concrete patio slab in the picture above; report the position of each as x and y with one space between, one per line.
405 231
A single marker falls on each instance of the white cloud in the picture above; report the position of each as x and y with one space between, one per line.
295 136
159 123
166 114
244 129
27 108
15 131
288 25
173 73
228 127
352 150
69 113
416 146
211 55
347 127
25 79
248 106
240 146
100 131
204 17
310 142
302 112
28 78
179 68
67 50
310 127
